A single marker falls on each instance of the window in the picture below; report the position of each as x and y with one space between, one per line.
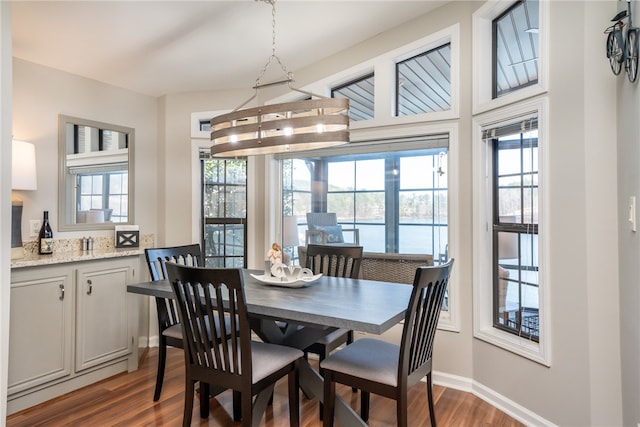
515 229
510 45
224 210
515 48
396 199
423 82
360 94
511 296
106 191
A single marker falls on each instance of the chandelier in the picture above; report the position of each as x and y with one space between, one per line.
314 122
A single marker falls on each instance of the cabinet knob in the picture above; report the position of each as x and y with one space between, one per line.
61 292
90 287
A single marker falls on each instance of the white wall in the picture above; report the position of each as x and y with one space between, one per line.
628 181
5 197
40 94
583 384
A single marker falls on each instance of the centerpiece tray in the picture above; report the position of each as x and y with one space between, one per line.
287 283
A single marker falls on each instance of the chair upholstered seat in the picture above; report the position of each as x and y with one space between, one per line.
173 331
367 358
268 358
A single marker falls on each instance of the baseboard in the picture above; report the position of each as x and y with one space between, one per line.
497 400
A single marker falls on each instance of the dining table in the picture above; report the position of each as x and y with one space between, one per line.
299 316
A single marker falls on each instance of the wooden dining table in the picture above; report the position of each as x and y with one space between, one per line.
309 313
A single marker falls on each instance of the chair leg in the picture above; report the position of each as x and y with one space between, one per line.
237 406
364 405
247 408
162 360
321 356
204 400
329 400
189 391
432 413
350 341
401 409
294 397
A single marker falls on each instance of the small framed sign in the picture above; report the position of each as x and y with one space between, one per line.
127 236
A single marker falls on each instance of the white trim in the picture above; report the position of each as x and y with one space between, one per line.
197 117
506 405
482 241
196 202
482 54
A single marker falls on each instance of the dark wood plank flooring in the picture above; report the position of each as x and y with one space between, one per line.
127 400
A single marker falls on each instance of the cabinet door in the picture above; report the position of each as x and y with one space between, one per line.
41 328
103 331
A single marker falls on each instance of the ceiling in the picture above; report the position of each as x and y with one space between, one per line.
168 47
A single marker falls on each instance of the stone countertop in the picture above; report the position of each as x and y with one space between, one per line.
34 259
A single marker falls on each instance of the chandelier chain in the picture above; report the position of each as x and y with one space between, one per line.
273 47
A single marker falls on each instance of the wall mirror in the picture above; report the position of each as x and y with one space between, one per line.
95 174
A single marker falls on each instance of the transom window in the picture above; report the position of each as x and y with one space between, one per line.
423 82
360 93
515 48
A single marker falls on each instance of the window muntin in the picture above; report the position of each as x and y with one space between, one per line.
423 82
373 192
224 209
515 231
360 94
515 36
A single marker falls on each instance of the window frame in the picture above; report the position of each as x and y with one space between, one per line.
449 320
224 220
482 42
483 211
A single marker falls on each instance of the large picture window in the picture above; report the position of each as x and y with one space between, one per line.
395 195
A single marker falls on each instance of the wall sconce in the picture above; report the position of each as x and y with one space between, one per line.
23 177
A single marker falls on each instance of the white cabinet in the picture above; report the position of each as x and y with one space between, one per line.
41 319
102 322
71 324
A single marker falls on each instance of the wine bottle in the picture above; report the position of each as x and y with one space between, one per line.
45 237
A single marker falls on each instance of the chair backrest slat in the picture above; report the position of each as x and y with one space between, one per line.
156 260
421 319
203 296
334 260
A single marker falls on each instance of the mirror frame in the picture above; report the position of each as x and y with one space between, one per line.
63 196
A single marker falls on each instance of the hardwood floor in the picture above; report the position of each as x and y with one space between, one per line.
127 400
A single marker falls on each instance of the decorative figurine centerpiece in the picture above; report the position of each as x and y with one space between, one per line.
275 253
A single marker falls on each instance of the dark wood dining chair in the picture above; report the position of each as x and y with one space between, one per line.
169 330
236 362
379 367
336 261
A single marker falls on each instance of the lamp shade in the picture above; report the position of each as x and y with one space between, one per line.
23 166
290 231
